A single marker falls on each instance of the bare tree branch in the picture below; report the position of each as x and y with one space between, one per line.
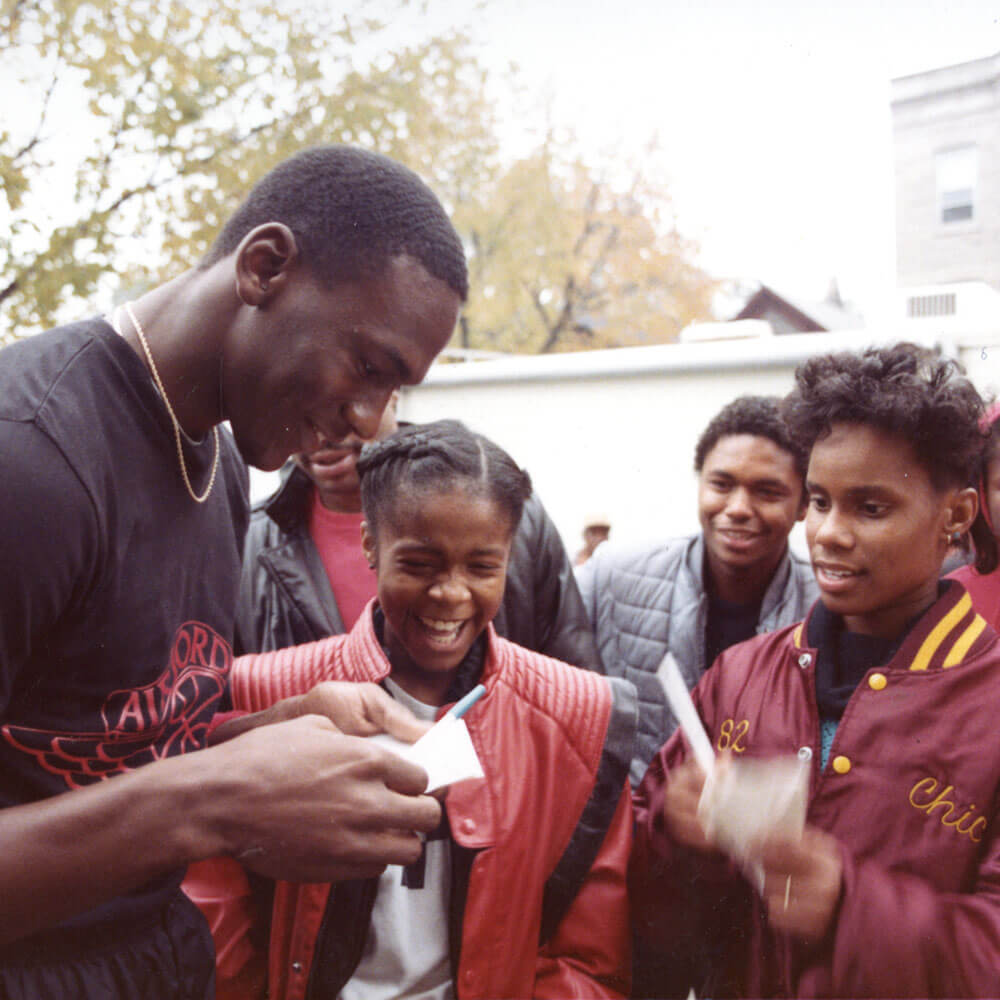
10 289
36 138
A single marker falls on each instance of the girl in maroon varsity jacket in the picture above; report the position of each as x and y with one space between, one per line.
890 691
539 848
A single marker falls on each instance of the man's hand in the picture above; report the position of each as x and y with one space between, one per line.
300 801
802 883
362 710
354 709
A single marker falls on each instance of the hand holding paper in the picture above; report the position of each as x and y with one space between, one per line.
743 802
746 802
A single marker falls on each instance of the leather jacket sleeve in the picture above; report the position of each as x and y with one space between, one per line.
542 608
249 608
285 597
589 954
259 680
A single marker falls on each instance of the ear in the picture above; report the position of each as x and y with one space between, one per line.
264 259
368 545
962 510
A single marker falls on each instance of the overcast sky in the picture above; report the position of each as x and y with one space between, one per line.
773 117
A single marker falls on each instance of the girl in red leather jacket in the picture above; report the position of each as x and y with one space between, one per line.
522 891
887 692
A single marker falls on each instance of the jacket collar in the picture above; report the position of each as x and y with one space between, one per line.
469 670
773 596
367 659
470 808
948 633
288 506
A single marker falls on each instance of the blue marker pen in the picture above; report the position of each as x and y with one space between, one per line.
464 704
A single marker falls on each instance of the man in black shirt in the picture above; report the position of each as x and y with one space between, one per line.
122 515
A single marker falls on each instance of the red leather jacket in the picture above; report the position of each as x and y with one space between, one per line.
983 589
548 736
911 790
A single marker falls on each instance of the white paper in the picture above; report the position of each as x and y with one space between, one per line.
679 699
445 752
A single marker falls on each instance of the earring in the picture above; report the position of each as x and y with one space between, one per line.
955 537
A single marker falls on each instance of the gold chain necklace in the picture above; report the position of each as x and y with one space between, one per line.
177 427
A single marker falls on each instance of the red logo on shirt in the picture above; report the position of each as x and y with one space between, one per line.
168 717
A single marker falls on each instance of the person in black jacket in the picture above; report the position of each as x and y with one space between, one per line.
286 595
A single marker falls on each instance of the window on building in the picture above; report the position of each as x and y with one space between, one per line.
956 184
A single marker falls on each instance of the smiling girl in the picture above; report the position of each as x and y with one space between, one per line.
522 891
888 692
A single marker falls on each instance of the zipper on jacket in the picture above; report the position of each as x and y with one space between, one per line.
340 942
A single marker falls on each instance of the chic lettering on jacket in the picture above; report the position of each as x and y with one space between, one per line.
927 796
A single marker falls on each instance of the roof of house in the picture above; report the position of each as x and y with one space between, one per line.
801 316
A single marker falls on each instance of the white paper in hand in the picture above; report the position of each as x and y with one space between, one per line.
679 699
744 802
445 752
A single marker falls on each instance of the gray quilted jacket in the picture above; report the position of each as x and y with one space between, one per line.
645 601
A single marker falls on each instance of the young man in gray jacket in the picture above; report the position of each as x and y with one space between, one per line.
695 596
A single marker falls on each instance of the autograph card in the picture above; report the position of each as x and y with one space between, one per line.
445 752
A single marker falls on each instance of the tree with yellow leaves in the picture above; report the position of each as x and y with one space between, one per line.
564 257
136 128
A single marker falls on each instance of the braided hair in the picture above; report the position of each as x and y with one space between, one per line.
441 455
351 211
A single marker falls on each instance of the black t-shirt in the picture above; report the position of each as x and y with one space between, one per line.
118 591
728 623
843 658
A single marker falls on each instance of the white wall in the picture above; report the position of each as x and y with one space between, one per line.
614 431
618 445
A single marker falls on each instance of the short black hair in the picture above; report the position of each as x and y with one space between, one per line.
905 390
351 211
441 455
757 415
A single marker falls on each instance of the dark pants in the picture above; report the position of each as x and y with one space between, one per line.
167 955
